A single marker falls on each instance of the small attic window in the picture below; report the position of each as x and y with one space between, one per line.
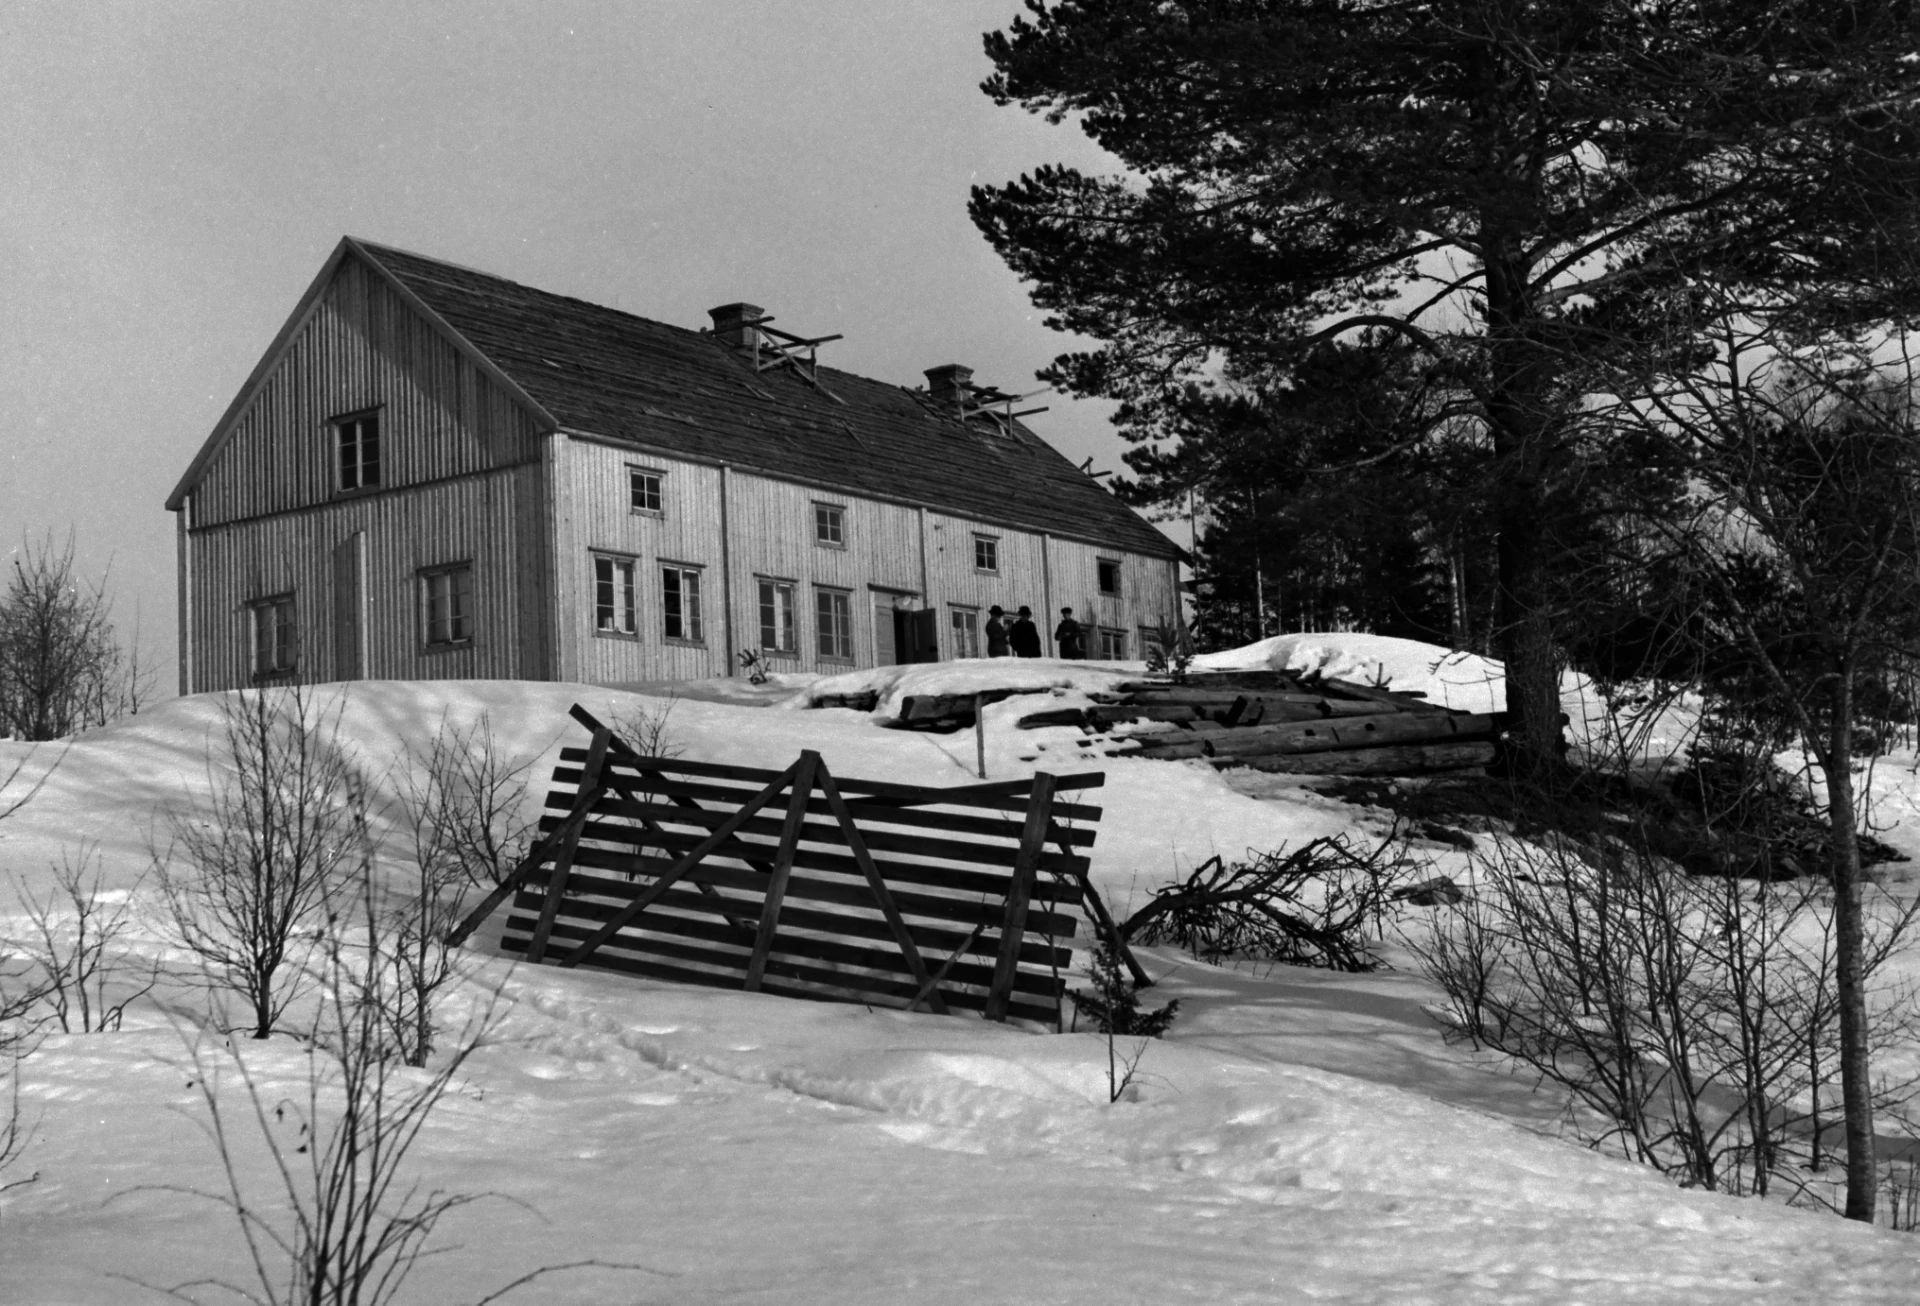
357 439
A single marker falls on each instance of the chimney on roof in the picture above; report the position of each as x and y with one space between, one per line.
730 323
950 383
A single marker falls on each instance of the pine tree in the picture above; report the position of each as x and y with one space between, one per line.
1519 196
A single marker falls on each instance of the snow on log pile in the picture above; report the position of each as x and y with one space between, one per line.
1273 721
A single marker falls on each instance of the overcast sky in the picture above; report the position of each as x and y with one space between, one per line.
177 172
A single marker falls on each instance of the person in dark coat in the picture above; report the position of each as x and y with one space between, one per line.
997 632
1024 636
1070 636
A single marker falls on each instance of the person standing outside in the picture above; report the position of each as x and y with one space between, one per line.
997 646
1069 636
1024 636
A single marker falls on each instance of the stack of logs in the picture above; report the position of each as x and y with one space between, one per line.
1274 722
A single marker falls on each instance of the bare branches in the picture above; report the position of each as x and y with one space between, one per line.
262 863
76 947
1310 907
62 669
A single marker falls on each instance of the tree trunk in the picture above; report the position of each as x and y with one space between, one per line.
1856 1087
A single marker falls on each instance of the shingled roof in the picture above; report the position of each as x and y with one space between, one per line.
605 373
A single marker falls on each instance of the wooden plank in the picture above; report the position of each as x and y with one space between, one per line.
945 873
782 866
967 910
1013 925
932 818
1344 733
680 868
813 832
1356 732
1405 701
882 896
563 854
1038 949
709 942
648 969
1394 759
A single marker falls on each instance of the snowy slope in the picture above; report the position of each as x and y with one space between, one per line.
1300 1136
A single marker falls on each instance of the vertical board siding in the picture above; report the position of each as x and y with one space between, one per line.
362 347
686 530
478 519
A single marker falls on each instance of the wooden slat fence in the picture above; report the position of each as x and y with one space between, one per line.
802 883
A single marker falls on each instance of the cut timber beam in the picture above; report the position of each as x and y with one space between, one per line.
1394 759
1329 736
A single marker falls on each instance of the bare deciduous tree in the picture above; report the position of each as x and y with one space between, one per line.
250 881
62 669
1803 462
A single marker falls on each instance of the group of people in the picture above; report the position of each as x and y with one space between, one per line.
1020 638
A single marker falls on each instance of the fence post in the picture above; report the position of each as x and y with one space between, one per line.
590 786
1013 928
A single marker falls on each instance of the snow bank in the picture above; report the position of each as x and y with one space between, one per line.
965 676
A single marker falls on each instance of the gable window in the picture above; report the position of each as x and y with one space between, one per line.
833 617
966 631
275 637
680 601
613 606
1109 576
830 525
986 553
1113 644
358 440
776 617
643 490
447 603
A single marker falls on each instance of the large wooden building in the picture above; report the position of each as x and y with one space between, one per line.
437 473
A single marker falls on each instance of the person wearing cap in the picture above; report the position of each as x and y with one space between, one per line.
997 632
1024 636
1070 636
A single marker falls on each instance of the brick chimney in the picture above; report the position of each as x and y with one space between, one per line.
947 384
730 323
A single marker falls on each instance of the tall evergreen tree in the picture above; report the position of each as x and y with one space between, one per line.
1519 192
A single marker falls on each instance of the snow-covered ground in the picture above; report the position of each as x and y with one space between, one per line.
1299 1135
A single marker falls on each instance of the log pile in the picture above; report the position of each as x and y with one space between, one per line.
1271 721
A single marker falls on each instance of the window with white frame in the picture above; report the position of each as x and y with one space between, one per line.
965 624
680 602
613 597
1109 576
357 442
776 616
1113 644
447 604
833 619
986 553
830 525
643 490
276 637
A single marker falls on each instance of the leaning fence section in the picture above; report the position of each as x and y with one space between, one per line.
802 883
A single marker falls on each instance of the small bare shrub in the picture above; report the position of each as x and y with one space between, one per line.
1690 1019
75 946
465 803
249 883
